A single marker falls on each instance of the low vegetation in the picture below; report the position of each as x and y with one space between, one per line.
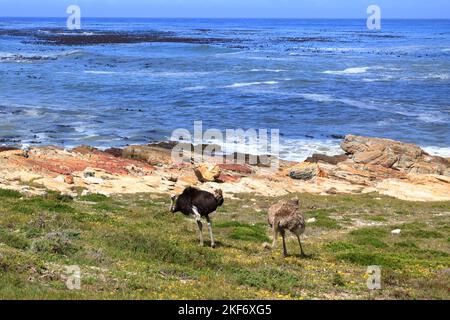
131 247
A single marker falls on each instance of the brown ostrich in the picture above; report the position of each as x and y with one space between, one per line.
285 215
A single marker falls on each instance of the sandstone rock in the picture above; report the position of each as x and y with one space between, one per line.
228 178
207 172
244 169
305 171
115 152
248 159
60 179
69 179
372 165
3 149
416 188
400 156
317 158
150 154
84 149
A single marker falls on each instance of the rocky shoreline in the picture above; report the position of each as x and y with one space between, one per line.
385 166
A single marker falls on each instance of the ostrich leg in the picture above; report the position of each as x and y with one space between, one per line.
213 244
301 248
198 218
275 236
284 243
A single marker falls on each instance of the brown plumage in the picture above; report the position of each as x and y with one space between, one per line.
286 215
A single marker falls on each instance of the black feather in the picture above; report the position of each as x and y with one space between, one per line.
204 201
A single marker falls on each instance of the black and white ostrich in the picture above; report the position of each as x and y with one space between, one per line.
198 203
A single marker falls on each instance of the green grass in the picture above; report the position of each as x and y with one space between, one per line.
323 219
130 247
245 231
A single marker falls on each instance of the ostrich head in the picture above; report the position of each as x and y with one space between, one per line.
218 194
173 203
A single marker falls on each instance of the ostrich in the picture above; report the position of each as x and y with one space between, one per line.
285 215
198 203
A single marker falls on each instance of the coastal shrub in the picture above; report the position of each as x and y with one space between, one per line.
5 193
369 232
56 243
267 278
370 237
107 207
340 246
418 230
23 208
45 204
425 234
377 218
95 197
368 258
161 249
406 244
338 280
12 239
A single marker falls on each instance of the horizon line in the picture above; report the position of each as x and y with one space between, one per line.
221 18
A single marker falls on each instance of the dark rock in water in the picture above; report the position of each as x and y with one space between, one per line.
10 139
315 158
306 39
122 37
116 152
337 136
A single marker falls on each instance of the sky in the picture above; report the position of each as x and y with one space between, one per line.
406 9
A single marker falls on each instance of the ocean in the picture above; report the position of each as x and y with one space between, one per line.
118 82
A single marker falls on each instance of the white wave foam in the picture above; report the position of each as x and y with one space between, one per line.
438 151
317 97
289 149
300 149
349 71
438 76
195 88
29 57
99 72
423 115
248 84
180 74
432 117
268 70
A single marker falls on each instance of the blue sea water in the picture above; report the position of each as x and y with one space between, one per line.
315 80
